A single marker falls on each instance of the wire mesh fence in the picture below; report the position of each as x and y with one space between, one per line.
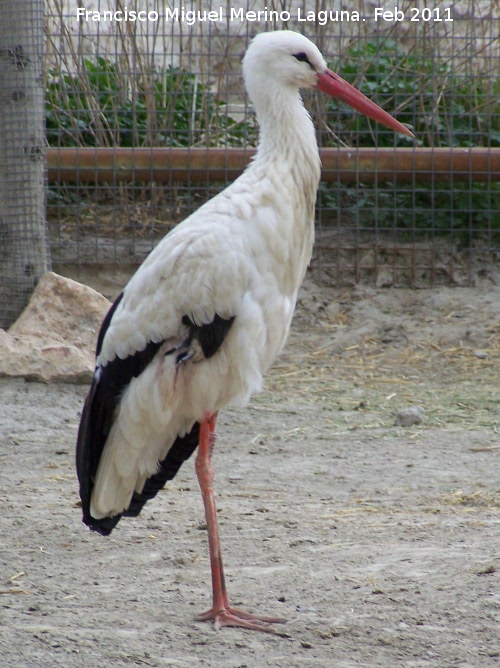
140 76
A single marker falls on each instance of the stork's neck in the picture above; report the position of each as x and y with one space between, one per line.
285 175
287 140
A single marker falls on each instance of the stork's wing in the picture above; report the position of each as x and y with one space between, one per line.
113 376
94 429
99 413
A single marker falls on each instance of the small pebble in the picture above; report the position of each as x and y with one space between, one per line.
407 417
488 569
302 608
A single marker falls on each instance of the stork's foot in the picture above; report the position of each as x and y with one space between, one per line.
229 616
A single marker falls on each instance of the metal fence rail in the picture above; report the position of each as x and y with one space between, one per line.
372 165
148 119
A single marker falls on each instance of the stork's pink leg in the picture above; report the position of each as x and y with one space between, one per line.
220 612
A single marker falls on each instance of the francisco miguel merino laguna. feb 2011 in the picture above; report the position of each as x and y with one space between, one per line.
192 16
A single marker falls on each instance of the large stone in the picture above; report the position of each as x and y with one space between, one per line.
54 338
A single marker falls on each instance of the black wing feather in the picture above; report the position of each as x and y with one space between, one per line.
211 335
181 450
110 381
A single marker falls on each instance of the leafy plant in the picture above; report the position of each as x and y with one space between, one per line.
445 108
104 106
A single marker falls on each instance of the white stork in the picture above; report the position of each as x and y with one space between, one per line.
203 318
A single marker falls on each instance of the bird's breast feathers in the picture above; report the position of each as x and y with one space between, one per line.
204 268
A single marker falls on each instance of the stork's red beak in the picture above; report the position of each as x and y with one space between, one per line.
333 85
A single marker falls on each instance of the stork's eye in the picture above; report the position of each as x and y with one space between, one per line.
302 57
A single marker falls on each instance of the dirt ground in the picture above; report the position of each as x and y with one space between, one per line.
378 541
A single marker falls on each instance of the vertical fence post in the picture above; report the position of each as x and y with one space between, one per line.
23 238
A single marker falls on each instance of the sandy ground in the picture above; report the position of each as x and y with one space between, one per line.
379 543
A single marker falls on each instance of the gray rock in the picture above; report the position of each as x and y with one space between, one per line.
409 416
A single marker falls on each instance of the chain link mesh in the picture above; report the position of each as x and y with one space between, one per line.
163 82
172 82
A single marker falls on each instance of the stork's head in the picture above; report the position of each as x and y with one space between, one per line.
284 57
287 59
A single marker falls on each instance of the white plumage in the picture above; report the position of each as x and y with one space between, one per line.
201 321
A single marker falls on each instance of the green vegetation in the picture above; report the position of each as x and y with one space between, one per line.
444 109
105 105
